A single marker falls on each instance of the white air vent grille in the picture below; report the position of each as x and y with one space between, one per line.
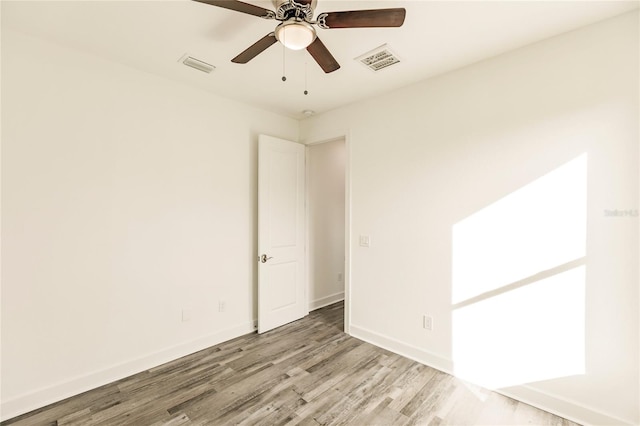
192 62
379 58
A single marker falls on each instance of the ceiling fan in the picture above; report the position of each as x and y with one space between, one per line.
296 29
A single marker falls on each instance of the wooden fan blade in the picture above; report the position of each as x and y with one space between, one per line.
255 49
239 6
323 57
363 18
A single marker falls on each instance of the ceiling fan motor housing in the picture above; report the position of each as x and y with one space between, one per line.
294 9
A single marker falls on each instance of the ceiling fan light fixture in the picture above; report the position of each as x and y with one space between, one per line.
295 35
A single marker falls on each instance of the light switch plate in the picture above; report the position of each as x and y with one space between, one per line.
364 241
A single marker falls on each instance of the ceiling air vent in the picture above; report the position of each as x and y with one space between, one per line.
379 58
196 63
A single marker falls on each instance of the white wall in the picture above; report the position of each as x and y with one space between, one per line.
428 157
126 198
326 213
101 165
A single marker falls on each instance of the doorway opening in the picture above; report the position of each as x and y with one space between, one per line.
327 223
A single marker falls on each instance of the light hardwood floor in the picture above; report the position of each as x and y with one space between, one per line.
308 372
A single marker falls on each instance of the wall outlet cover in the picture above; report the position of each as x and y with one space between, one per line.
427 322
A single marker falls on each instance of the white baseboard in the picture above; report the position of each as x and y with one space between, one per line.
401 348
45 396
570 410
326 301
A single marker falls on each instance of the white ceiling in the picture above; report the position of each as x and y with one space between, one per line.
437 36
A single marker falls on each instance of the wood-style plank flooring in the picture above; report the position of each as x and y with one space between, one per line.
306 373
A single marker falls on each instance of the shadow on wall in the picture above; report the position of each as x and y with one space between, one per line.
518 283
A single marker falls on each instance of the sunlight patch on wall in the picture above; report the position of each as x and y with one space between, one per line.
518 288
536 228
525 335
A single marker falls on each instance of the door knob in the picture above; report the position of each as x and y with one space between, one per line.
264 258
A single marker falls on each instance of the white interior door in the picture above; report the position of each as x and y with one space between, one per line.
281 233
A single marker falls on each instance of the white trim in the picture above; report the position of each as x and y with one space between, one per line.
412 352
347 232
48 395
326 301
321 141
570 410
307 233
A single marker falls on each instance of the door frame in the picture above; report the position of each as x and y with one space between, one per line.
347 223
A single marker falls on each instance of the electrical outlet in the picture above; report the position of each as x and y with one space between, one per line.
427 322
221 306
186 315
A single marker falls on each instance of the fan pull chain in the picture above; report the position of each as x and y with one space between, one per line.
306 92
284 51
